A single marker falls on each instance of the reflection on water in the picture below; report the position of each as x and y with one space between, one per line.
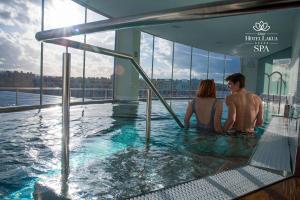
109 157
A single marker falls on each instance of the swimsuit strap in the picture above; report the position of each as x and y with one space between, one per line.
212 115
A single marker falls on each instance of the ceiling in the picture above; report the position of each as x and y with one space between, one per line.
223 35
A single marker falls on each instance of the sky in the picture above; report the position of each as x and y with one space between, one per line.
20 20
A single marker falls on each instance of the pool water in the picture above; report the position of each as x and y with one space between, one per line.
109 155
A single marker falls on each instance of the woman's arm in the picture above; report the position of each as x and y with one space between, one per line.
188 114
218 116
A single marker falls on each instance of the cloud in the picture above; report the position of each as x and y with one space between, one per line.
5 15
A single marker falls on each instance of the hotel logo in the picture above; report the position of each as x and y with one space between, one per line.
261 39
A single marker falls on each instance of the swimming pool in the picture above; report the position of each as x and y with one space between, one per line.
109 157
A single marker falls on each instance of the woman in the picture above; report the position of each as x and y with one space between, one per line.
207 108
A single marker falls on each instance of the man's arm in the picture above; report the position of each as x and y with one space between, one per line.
231 114
259 118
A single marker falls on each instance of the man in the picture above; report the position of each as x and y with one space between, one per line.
245 110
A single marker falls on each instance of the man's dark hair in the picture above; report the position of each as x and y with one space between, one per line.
237 77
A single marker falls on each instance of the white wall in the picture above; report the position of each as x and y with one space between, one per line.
249 69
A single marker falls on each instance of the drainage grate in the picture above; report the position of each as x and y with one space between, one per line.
226 185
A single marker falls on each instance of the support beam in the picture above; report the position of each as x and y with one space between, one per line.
126 78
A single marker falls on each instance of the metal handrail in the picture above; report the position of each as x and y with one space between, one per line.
187 13
281 81
100 50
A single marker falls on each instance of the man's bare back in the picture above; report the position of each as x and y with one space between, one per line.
245 111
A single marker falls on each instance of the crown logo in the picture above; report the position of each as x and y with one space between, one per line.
261 26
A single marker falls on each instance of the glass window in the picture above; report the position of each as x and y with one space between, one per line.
53 55
162 69
104 39
232 65
19 52
199 67
146 52
99 76
76 74
99 68
57 17
181 70
216 71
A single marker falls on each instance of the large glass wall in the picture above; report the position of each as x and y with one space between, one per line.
20 57
180 69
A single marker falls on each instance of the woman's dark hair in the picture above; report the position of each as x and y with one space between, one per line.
237 77
207 88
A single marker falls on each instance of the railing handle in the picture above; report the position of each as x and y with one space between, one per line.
148 114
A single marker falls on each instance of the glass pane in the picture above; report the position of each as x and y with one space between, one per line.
181 70
216 71
232 65
19 53
99 76
146 51
104 39
53 56
57 17
199 67
76 74
162 70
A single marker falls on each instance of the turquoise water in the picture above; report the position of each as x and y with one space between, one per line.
109 156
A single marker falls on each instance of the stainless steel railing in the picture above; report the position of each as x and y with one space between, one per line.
138 68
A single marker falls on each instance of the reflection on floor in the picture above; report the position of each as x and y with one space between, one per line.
288 189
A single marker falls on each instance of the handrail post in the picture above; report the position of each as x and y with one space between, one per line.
17 97
148 114
65 119
280 90
269 81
